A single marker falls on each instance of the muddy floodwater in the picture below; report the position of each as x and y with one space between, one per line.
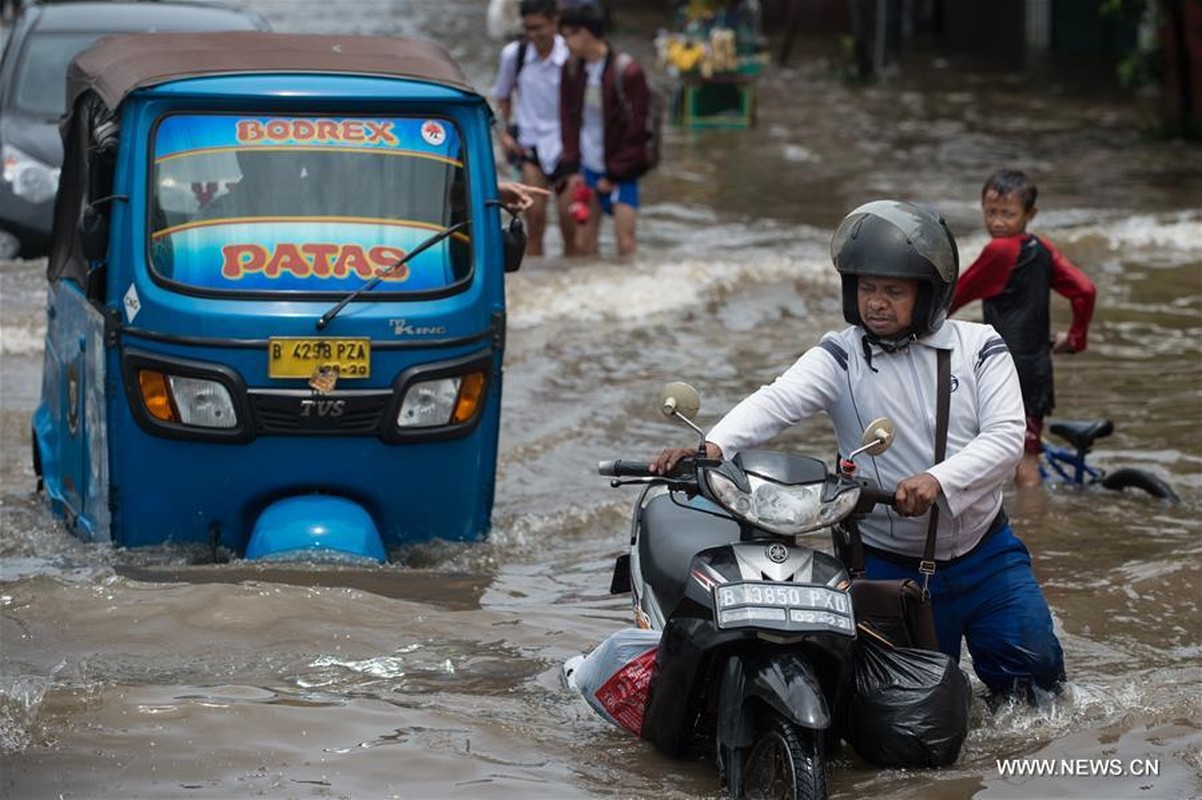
151 674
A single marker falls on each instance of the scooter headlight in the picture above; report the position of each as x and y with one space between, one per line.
779 508
196 402
31 180
730 495
441 401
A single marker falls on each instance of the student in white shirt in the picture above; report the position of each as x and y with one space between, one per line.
530 132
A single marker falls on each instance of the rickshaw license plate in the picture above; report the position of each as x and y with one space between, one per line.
296 357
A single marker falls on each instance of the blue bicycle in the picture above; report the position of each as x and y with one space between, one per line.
1069 465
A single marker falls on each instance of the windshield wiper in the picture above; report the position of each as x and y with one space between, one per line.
327 317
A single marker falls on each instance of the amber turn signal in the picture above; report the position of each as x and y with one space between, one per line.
155 395
470 394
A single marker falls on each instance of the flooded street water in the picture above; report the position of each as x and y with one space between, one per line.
148 674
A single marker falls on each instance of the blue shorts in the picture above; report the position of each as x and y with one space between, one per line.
627 191
991 598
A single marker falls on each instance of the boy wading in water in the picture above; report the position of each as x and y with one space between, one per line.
1013 277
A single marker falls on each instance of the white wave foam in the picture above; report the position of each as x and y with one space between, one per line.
22 339
600 291
1180 231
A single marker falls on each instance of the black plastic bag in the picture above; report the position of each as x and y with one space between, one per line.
908 708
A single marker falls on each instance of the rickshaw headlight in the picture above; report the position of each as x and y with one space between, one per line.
203 403
441 401
188 401
429 403
31 180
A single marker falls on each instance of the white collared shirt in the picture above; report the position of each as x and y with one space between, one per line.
536 111
986 425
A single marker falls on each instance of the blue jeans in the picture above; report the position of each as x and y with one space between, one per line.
990 597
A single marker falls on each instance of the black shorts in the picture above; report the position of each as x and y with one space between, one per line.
530 156
1036 380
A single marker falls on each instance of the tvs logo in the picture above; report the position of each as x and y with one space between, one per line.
322 408
777 553
433 133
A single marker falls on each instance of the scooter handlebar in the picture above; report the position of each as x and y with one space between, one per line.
872 495
624 469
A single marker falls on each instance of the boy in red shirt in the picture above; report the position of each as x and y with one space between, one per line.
1013 277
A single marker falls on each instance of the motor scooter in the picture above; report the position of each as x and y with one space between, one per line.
757 626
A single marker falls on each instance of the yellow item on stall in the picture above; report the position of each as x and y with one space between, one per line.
685 56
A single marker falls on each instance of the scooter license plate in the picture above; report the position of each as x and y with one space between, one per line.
789 607
300 357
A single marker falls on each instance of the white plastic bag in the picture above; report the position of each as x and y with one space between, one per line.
616 677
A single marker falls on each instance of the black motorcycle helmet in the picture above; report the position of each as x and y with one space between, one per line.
894 239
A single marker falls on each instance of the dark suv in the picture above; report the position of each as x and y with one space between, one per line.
44 39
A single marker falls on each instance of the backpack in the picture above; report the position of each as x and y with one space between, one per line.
656 106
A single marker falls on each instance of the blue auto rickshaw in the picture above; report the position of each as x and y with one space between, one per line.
276 307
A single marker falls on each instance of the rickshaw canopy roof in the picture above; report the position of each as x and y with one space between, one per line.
118 65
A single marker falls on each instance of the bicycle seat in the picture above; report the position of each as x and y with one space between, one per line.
1082 433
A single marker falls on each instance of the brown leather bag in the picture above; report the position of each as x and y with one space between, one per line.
896 610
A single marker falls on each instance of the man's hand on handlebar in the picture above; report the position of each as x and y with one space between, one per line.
916 494
667 460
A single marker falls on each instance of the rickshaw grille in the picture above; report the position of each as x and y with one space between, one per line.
345 414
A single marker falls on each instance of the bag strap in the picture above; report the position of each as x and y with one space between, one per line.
856 548
621 62
943 403
522 48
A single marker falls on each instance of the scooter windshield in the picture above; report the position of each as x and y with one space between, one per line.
306 204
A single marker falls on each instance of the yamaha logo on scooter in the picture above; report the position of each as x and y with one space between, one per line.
777 553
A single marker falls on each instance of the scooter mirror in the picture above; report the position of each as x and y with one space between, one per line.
680 398
878 436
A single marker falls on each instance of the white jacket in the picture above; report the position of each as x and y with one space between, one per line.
986 424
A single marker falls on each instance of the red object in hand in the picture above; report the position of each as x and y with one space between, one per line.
581 205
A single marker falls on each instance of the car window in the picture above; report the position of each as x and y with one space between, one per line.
300 203
41 77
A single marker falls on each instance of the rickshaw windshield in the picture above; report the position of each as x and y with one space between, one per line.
307 204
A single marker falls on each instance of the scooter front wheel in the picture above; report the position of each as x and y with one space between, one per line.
787 762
